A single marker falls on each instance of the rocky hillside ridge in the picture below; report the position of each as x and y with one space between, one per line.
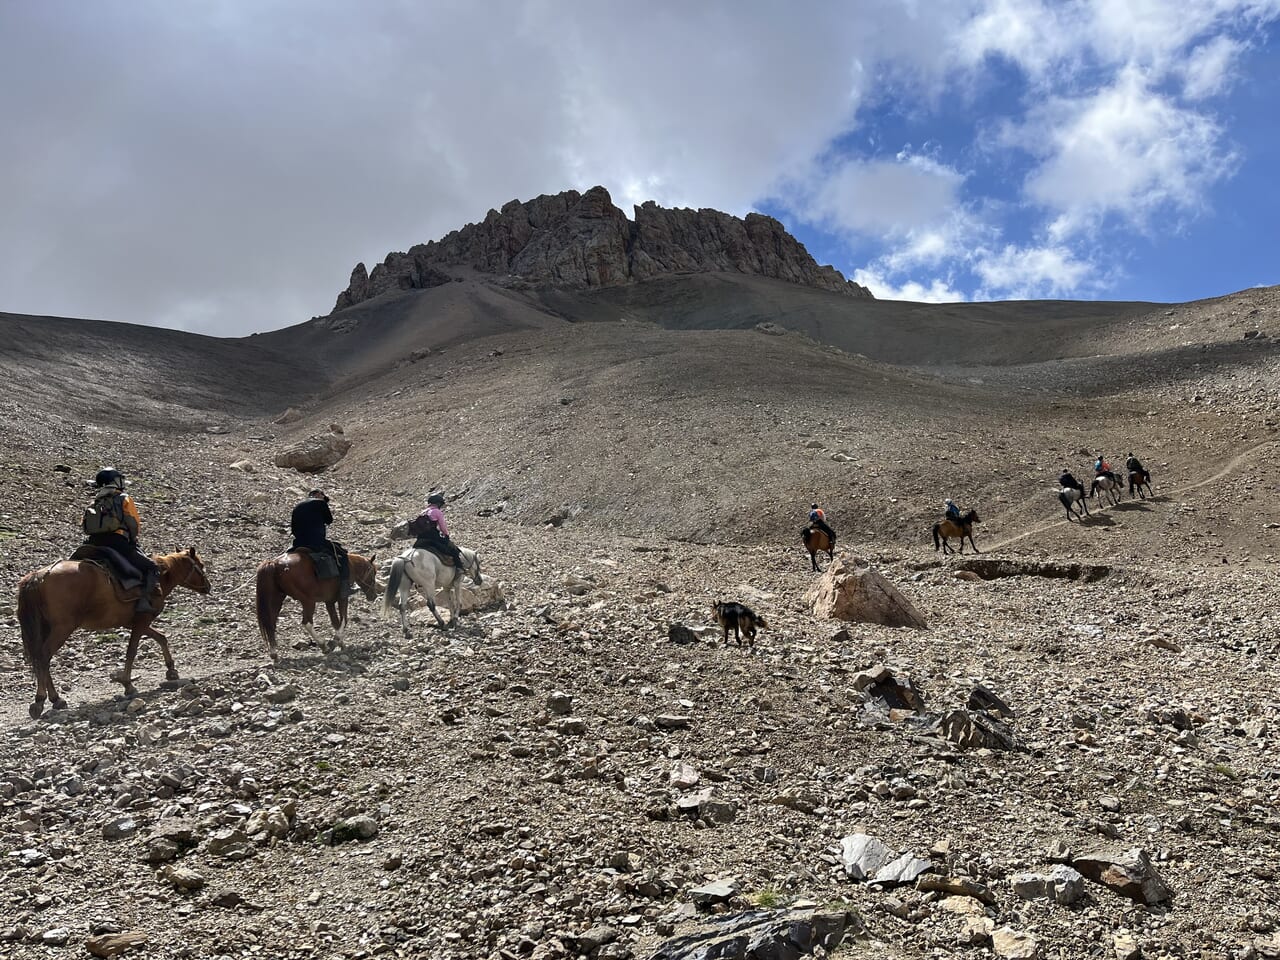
581 240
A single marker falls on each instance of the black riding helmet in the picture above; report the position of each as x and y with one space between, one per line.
108 477
436 499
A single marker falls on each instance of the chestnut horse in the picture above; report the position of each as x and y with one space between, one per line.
945 529
1137 480
294 575
55 602
816 540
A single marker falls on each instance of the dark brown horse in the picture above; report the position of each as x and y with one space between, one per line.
294 575
1137 480
55 602
816 540
962 528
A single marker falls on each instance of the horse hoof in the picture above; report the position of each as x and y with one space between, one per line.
35 710
172 675
58 705
130 691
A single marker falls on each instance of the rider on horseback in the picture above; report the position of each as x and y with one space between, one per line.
1102 469
433 532
1134 465
307 523
113 522
952 512
1068 482
818 519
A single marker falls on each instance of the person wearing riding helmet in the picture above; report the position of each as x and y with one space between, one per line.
309 524
1101 468
1134 465
1068 482
818 518
432 531
113 522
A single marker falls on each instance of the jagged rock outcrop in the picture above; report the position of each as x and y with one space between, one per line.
581 240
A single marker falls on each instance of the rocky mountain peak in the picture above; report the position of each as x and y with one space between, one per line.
581 240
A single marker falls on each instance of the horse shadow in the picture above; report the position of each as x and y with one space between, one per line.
1097 520
1140 505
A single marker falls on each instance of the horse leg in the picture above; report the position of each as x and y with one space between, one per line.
124 675
337 619
170 671
971 543
308 613
431 605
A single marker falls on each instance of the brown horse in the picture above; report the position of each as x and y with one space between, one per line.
816 540
55 602
1137 480
294 575
946 529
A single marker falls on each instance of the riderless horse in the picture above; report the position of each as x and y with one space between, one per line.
294 575
430 574
55 602
945 529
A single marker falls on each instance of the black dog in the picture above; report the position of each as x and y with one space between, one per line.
742 620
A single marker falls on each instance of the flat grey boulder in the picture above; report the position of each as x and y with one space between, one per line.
763 935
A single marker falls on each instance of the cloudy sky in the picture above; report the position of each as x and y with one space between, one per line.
220 165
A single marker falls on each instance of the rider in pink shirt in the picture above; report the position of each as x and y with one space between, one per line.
433 532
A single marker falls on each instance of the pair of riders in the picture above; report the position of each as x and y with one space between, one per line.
1101 468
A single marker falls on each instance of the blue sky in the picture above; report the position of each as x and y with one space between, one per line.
219 165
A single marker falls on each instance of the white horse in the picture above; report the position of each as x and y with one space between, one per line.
1109 486
1073 496
430 574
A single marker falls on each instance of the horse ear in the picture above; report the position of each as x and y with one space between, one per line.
372 558
191 552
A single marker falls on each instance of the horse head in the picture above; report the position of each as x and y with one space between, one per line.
187 570
365 574
971 517
474 565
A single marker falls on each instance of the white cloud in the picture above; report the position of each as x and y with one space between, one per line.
1126 151
1207 72
935 290
1022 273
887 197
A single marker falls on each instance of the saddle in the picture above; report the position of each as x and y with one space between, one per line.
326 563
126 579
439 554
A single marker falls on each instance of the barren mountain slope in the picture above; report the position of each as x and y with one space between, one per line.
496 825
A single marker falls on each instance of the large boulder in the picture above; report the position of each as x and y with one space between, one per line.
764 935
314 454
861 595
1129 873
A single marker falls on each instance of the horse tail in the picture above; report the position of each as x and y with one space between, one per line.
937 542
393 586
266 591
32 619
